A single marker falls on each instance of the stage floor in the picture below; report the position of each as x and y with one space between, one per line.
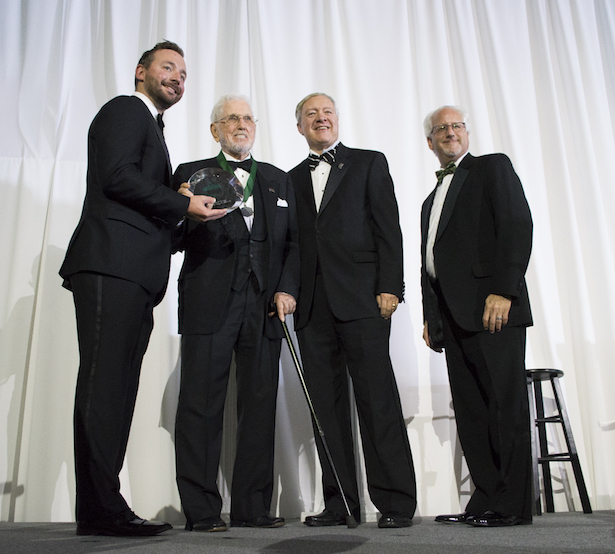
559 533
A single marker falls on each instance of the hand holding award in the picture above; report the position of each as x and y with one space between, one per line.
222 185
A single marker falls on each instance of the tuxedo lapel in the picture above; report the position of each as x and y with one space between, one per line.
265 201
461 173
304 186
338 170
426 212
162 141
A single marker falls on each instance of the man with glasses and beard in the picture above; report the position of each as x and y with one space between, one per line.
238 273
476 242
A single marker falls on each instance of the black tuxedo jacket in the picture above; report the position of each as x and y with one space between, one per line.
210 254
129 210
482 246
354 239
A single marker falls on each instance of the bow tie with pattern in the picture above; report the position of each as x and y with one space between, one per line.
246 164
315 159
441 173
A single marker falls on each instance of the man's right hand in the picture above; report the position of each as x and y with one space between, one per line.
427 340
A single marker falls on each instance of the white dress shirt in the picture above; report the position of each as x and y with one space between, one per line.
434 220
148 103
243 177
320 176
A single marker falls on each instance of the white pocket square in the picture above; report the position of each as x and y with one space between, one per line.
282 203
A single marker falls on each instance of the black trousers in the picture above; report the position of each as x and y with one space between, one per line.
114 323
330 349
205 366
488 385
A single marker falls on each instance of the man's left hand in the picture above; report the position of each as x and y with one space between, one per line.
496 312
284 303
387 303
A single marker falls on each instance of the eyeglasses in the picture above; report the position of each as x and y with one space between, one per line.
233 120
441 129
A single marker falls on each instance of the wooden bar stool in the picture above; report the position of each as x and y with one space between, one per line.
540 447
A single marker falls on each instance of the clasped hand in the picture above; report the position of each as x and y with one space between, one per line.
200 207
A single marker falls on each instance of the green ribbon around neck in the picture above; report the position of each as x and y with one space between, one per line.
247 191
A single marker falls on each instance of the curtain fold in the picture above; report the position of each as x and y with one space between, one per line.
538 78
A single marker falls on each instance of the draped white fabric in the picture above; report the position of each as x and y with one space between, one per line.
538 78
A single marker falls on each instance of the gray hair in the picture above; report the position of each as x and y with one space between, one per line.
300 105
216 112
428 122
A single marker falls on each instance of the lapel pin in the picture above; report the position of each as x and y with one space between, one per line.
271 190
340 165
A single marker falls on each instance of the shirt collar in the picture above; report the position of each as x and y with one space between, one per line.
147 102
230 158
330 148
459 159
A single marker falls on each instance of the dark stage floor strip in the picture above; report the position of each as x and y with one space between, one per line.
559 533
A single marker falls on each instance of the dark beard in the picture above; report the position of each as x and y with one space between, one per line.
157 96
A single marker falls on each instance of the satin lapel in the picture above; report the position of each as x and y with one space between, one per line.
164 144
265 202
338 170
451 197
304 186
425 218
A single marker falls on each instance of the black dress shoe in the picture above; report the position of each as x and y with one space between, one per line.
207 524
493 519
264 522
325 518
393 520
122 526
453 518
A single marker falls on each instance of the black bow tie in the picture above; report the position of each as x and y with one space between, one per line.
246 164
315 159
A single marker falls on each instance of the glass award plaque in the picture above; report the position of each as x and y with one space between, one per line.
222 185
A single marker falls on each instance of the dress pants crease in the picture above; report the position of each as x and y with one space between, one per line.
114 324
487 378
205 368
329 346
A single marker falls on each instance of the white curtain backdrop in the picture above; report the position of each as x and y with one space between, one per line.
538 78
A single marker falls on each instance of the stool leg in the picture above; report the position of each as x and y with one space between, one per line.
534 444
572 449
544 447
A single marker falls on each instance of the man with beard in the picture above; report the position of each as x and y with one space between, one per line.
117 267
476 243
234 270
